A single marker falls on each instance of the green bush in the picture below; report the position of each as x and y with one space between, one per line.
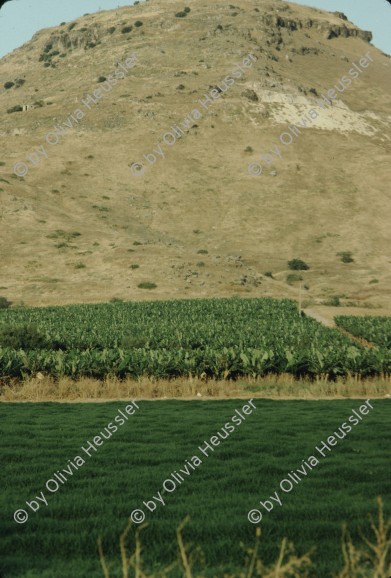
138 23
134 266
346 256
293 277
127 29
101 79
181 14
297 265
202 252
25 337
16 108
9 85
187 9
269 274
4 303
147 285
333 301
111 29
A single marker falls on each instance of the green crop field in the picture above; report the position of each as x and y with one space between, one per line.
220 338
59 540
372 328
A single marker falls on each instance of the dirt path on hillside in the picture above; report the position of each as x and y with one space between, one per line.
331 323
318 317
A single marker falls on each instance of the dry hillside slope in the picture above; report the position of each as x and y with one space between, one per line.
81 226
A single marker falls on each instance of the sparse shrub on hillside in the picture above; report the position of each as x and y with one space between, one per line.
137 243
9 85
101 79
134 266
250 94
72 25
373 281
16 108
333 301
19 82
60 234
147 285
293 277
111 29
298 265
269 274
346 256
25 337
4 303
249 149
202 252
181 15
127 29
138 23
187 9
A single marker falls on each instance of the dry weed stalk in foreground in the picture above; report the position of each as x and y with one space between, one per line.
372 561
288 564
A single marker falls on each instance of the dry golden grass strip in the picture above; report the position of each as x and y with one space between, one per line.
46 388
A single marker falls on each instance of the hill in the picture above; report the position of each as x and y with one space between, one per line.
81 226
